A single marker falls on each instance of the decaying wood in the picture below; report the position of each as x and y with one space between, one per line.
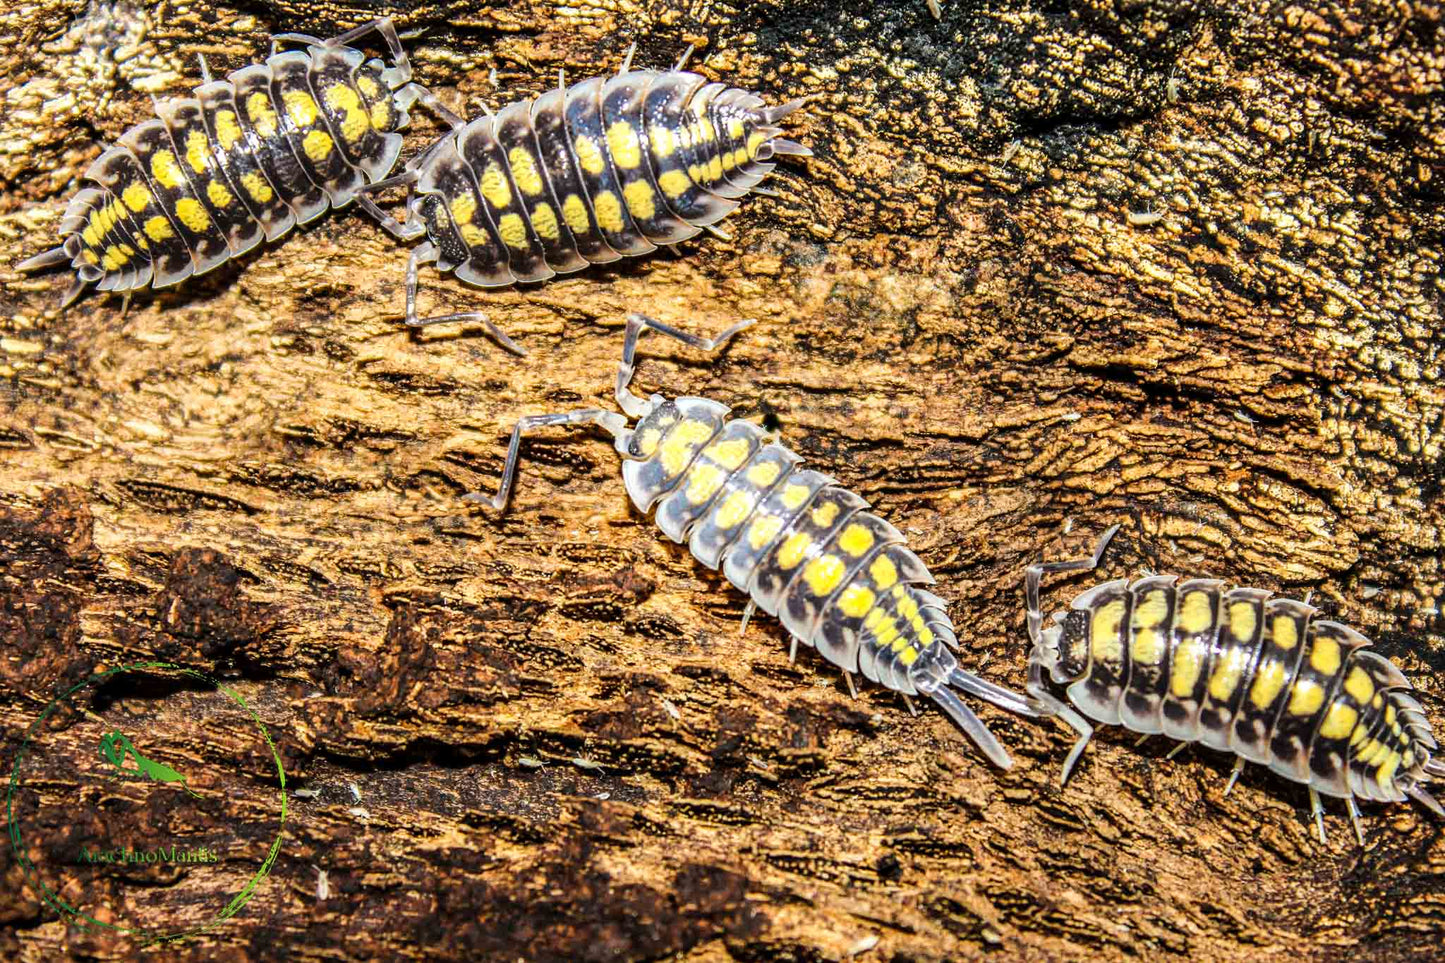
1174 265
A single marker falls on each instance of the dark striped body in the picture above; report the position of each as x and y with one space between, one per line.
1240 671
608 167
241 161
804 549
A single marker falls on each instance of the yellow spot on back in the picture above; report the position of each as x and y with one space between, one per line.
1268 682
495 188
640 198
1104 633
196 151
793 550
92 232
1339 721
1306 698
733 510
90 256
589 158
663 143
513 231
1147 646
544 222
158 228
192 214
261 114
1325 656
1227 672
1386 774
754 142
609 211
163 166
855 601
824 514
883 572
1196 612
823 574
136 197
1285 633
227 130
855 540
735 128
1188 663
354 120
764 473
622 141
703 482
474 236
763 530
299 107
1243 620
574 212
730 454
910 655
1359 686
729 161
463 206
524 172
368 86
794 496
682 441
381 114
258 187
674 183
218 194
714 170
113 258
317 145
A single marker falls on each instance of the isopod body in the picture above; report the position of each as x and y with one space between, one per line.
802 547
242 160
586 174
1238 670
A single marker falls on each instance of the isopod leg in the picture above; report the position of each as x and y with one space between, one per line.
1175 751
1355 818
637 323
426 254
747 616
1317 810
1425 799
609 420
400 71
412 229
909 703
853 689
1234 774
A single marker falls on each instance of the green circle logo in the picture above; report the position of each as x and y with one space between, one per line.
143 801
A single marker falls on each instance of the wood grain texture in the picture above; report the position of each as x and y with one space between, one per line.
961 316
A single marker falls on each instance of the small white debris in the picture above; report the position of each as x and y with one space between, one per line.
1432 611
1068 525
671 710
935 9
1070 416
604 796
306 793
1009 151
1144 218
531 762
1171 89
863 946
492 76
1369 591
359 813
323 885
1239 415
760 764
581 763
355 791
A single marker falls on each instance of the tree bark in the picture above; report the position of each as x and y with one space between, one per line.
1170 264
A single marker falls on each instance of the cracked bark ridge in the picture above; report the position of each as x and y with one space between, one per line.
1170 264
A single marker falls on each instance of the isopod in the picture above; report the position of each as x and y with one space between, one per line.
1236 670
802 547
241 160
587 174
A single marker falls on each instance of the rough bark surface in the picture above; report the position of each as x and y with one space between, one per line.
962 315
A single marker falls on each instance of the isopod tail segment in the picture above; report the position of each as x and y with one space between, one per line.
216 172
1237 670
803 548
